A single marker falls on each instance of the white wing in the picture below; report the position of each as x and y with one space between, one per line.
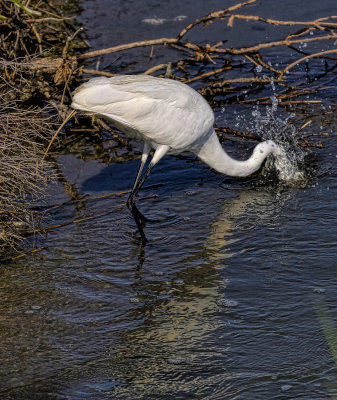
157 110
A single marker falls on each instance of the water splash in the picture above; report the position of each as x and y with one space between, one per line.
270 125
288 170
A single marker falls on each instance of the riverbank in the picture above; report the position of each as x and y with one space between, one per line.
38 41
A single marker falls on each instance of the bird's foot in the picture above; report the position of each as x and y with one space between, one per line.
131 204
140 222
138 215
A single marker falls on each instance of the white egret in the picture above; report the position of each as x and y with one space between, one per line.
169 117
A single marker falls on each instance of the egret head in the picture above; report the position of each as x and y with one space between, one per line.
286 167
273 148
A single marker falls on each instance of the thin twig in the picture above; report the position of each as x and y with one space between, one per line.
261 46
27 253
212 16
318 23
322 53
247 135
47 19
155 68
38 37
97 72
242 80
70 115
208 74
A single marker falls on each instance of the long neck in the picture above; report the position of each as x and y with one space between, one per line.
215 156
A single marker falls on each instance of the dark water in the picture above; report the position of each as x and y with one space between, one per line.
229 300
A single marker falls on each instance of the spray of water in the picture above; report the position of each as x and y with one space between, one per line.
269 125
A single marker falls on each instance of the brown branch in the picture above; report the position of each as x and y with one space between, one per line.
207 74
60 19
302 32
303 126
127 46
38 37
28 253
306 144
243 80
155 68
69 116
203 52
112 132
259 61
318 23
285 103
247 135
322 53
261 46
68 41
97 72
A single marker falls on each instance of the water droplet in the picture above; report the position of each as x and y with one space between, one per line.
134 300
227 303
284 388
175 361
274 102
319 290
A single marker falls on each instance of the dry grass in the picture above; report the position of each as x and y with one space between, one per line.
36 67
22 177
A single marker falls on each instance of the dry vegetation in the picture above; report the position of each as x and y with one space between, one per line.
21 177
36 67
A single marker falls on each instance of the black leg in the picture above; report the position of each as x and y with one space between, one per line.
131 202
138 184
140 169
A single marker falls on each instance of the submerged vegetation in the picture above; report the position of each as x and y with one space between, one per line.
43 54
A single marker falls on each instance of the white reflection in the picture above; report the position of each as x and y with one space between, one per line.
182 325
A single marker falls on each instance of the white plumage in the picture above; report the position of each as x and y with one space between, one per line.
169 117
158 111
